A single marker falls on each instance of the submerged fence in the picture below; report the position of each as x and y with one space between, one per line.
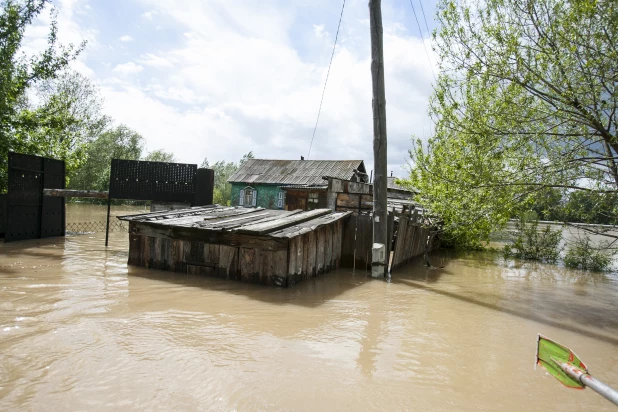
79 228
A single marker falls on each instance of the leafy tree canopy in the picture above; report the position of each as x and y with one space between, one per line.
23 128
526 100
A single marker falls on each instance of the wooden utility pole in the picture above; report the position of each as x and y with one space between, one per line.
380 183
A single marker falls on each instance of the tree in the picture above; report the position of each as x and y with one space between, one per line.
117 143
222 193
21 127
160 156
526 100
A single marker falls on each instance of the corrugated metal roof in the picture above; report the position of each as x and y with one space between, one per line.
295 172
393 185
305 187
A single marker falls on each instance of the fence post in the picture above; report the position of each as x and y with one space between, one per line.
109 205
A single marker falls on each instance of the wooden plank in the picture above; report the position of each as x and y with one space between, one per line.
280 268
164 254
175 263
347 248
305 267
300 258
400 242
224 238
310 225
337 239
266 269
171 213
319 254
147 245
354 201
135 250
264 228
214 254
201 220
215 224
328 245
247 264
75 193
292 253
268 216
228 262
390 225
156 253
308 255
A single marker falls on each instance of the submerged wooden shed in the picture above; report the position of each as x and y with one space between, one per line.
269 247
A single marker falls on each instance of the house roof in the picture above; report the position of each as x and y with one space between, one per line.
393 185
295 172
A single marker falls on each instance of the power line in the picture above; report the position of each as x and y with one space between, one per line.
424 18
422 39
326 81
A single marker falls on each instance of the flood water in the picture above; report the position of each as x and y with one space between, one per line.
79 330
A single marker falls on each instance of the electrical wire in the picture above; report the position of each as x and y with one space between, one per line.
326 81
423 40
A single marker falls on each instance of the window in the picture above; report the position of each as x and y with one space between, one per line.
312 201
248 197
280 201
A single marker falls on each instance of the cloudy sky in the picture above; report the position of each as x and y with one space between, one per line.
218 78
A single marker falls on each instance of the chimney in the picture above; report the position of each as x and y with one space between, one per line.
302 158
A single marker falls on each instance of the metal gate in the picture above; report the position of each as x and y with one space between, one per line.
30 215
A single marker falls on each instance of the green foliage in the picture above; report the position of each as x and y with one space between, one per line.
117 143
583 255
223 171
534 244
525 102
34 130
160 156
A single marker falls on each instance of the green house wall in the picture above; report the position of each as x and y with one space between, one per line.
267 195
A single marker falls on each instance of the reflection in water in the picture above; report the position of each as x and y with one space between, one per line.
80 330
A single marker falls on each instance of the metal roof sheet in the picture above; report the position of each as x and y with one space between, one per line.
295 172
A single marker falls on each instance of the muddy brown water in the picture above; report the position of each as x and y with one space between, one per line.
79 330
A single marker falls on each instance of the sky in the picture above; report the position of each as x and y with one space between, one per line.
219 78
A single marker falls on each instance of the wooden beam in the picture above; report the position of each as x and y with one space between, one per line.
193 234
75 193
267 227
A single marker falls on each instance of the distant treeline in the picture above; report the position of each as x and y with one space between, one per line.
576 206
46 109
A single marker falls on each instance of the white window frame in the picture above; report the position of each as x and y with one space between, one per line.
280 200
247 197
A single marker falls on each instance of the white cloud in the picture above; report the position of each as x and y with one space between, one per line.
126 38
149 14
128 68
157 61
241 76
318 29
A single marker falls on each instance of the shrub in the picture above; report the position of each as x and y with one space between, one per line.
530 243
583 255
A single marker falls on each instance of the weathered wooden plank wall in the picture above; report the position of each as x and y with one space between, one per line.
308 255
411 239
314 253
358 240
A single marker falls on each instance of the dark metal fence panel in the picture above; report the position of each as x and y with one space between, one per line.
2 215
204 187
53 208
30 215
24 197
158 181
